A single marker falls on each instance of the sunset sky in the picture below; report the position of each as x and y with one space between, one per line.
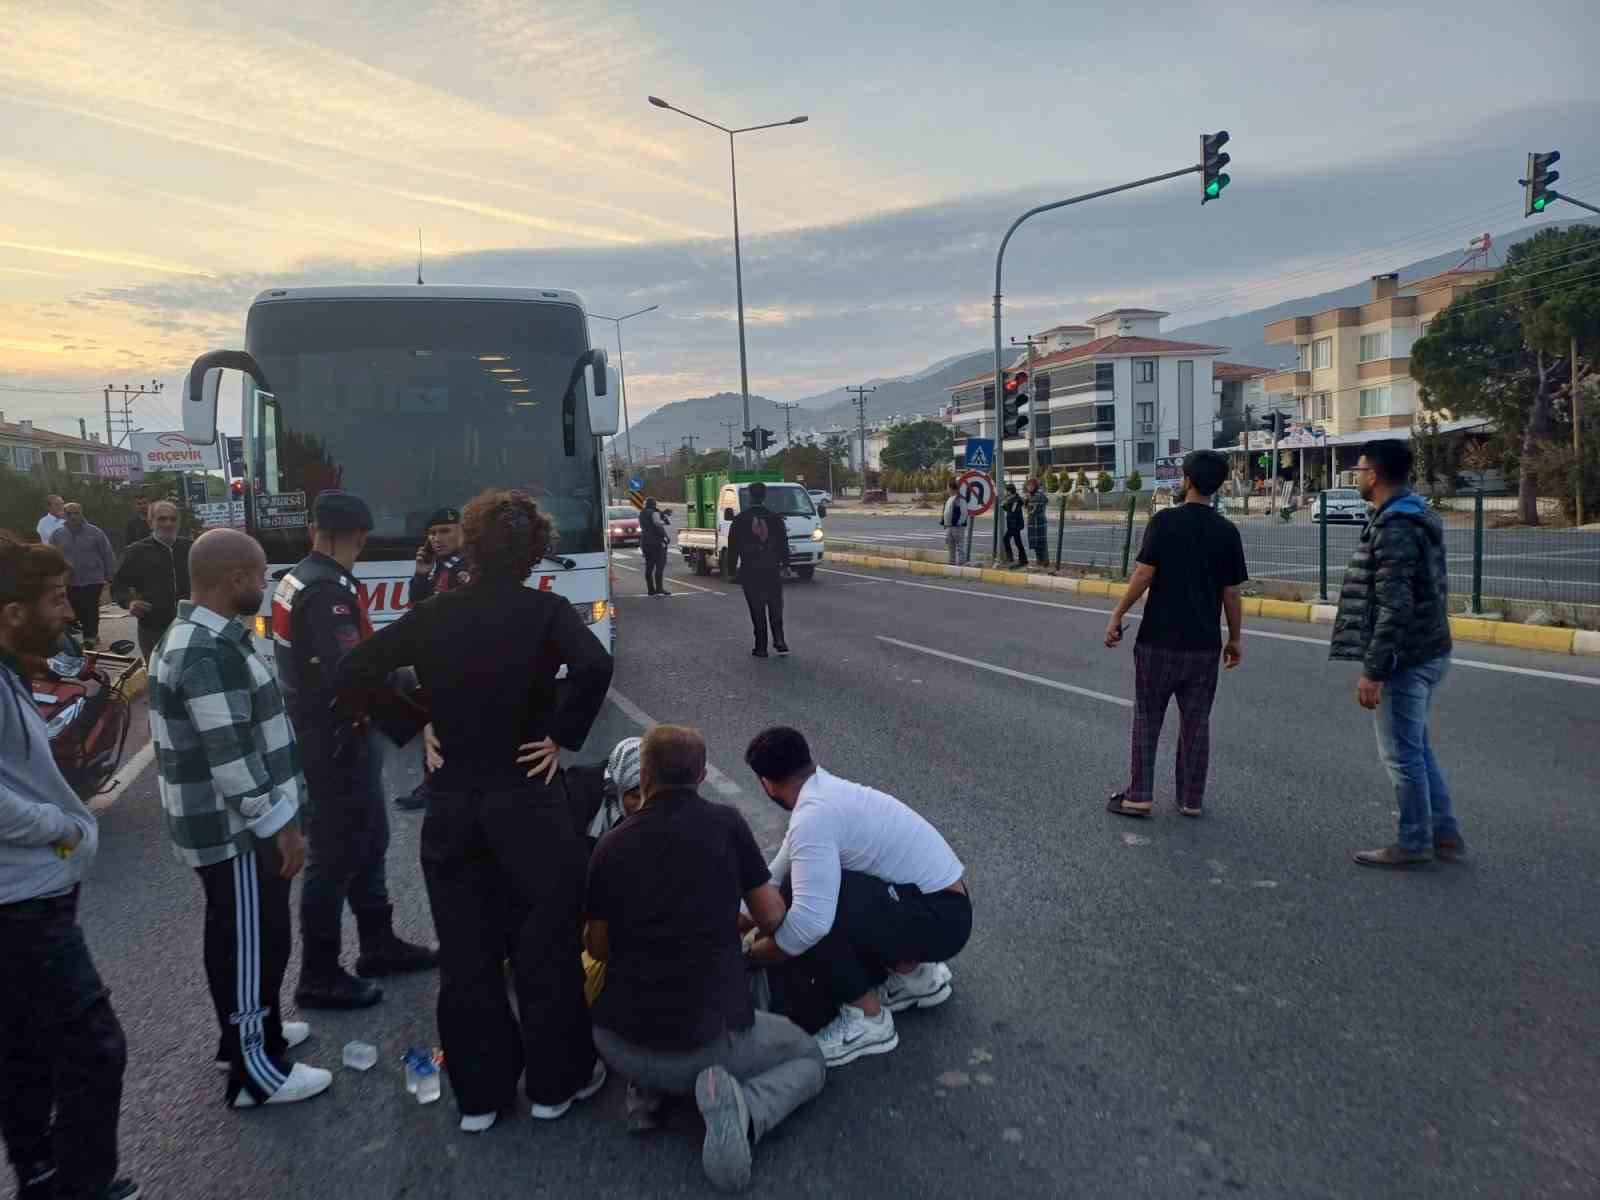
164 161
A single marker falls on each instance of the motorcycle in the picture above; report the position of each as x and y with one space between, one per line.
83 697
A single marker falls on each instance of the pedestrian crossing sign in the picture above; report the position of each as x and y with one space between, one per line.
980 454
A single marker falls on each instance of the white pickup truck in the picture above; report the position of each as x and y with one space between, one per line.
707 549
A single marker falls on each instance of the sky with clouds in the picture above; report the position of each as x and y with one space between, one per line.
165 160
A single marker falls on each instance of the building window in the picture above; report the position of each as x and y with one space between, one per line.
1105 416
1146 413
1321 404
1144 371
1322 354
1302 357
1146 453
1105 375
1375 402
1374 346
1174 446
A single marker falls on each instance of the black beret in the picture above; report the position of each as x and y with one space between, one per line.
444 516
341 512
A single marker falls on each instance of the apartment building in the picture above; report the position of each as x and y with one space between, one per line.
1352 365
24 447
1110 395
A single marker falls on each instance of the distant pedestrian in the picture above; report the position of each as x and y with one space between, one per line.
1394 618
138 526
954 519
93 562
62 1052
54 518
441 566
232 789
1038 525
154 577
653 541
1192 563
1015 520
758 550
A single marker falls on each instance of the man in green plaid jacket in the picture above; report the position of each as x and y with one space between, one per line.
231 787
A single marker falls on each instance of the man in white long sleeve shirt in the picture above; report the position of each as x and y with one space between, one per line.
878 899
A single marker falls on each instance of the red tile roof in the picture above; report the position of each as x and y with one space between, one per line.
44 437
1227 370
1107 347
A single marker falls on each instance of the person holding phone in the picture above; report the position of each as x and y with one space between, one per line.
1192 563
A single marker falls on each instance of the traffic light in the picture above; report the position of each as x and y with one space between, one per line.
749 439
1538 188
1275 423
1013 419
1212 177
766 438
236 489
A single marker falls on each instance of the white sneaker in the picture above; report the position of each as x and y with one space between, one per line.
478 1122
549 1112
926 987
853 1034
294 1032
303 1083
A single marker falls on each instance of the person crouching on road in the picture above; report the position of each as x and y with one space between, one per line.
676 1017
440 566
501 859
62 1049
1394 619
232 789
758 549
878 898
954 518
317 618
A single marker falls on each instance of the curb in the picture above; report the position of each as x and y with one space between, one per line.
1582 642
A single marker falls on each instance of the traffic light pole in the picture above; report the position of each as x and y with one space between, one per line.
999 265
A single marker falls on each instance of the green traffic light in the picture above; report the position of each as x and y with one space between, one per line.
1540 202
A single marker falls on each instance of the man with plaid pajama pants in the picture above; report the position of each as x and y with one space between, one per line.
1192 563
231 788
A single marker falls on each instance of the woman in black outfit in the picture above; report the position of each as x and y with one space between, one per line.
1014 523
502 861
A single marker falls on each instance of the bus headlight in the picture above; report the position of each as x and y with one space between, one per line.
259 627
816 534
592 612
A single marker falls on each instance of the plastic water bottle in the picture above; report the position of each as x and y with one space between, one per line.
411 1060
360 1056
429 1087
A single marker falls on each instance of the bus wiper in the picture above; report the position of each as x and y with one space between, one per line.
568 563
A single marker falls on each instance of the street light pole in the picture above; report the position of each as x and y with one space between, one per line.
738 266
622 374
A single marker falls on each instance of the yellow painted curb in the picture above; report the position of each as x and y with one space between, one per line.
1250 606
1533 637
925 568
990 575
1094 587
1285 610
1472 629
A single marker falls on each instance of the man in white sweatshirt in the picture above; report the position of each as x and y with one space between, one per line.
878 899
62 1052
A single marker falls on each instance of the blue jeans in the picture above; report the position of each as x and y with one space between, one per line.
1420 791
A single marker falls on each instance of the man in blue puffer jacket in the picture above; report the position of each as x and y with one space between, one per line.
1394 618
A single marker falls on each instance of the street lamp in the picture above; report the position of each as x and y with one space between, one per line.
622 374
738 271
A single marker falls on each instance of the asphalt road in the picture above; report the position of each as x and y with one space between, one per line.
1157 1009
1541 566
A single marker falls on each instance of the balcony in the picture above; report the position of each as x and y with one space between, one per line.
1288 329
1287 381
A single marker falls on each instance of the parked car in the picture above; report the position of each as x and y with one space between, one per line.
875 496
1343 504
624 522
821 497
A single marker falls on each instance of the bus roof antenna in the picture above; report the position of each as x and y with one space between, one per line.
419 256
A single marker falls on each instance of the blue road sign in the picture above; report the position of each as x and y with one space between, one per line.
980 454
635 483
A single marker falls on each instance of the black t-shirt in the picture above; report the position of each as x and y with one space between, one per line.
667 881
1196 553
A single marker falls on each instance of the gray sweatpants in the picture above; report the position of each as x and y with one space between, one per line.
777 1064
955 544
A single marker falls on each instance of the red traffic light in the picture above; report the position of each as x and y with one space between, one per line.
1016 383
236 488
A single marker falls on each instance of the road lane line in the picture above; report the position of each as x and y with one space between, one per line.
674 579
1023 675
1477 664
129 771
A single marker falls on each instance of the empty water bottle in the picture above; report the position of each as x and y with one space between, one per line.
360 1056
411 1060
429 1087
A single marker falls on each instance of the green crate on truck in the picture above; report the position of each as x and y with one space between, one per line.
700 492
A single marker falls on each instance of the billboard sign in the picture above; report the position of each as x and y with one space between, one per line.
174 452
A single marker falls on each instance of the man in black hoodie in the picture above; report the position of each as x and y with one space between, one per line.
154 576
758 550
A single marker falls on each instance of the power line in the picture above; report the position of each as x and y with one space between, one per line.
51 391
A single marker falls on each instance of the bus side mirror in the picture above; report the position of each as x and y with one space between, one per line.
200 388
603 391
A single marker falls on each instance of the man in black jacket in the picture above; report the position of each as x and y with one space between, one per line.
154 576
758 550
138 526
653 540
1394 618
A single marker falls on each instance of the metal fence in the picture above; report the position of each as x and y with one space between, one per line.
1495 562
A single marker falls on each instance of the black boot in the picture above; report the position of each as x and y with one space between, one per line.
382 953
325 984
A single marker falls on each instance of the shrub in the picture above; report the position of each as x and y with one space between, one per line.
1135 481
1104 483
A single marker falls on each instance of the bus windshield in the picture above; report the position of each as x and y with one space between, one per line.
417 405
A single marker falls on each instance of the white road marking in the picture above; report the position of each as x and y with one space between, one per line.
719 782
130 771
1477 664
1023 675
675 579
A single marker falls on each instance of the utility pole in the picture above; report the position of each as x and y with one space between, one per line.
129 395
689 439
1033 417
788 427
730 426
858 397
1577 436
665 447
